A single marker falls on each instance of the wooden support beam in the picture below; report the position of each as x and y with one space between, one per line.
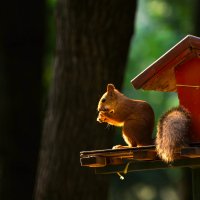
134 165
109 161
191 152
196 183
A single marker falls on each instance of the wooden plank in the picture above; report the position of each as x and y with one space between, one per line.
93 161
117 152
114 152
103 158
101 161
116 156
135 165
144 155
191 152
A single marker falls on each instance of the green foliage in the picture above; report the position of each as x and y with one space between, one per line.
159 25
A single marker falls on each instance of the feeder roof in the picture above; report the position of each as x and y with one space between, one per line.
160 75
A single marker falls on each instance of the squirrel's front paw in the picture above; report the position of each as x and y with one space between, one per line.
101 117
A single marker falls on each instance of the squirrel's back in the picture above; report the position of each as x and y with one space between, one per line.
172 132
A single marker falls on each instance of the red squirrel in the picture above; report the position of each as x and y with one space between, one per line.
136 117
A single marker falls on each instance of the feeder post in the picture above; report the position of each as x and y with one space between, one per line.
196 183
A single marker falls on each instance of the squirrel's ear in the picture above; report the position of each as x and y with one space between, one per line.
110 87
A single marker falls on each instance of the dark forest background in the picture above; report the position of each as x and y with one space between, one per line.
56 58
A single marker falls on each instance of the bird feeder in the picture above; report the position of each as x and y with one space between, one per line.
178 70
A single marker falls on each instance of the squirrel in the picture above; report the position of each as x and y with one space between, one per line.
136 117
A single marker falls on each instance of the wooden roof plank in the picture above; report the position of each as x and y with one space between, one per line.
187 48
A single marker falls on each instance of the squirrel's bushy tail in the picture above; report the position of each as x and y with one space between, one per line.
172 132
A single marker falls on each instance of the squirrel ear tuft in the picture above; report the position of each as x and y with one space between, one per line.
110 87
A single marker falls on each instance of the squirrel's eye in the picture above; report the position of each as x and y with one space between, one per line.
103 100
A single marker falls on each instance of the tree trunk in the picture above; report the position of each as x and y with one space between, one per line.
92 43
21 54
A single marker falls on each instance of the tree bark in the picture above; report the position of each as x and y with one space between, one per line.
92 43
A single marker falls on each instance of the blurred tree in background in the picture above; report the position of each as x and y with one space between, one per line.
92 44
